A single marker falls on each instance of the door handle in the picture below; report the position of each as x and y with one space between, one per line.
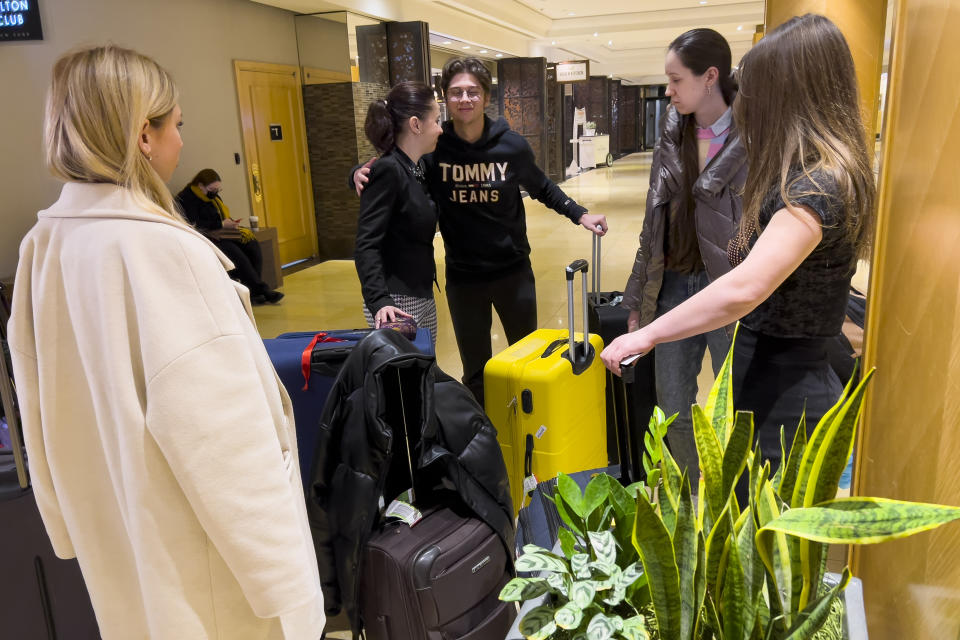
257 190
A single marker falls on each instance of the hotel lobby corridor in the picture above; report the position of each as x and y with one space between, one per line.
327 295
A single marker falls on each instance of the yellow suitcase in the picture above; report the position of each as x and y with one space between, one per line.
549 409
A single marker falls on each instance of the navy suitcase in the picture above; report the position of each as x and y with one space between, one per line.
309 383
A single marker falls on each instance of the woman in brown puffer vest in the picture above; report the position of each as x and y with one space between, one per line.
693 210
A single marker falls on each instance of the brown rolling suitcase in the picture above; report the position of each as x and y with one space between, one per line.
438 579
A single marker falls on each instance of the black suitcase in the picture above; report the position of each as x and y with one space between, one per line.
439 578
41 596
629 406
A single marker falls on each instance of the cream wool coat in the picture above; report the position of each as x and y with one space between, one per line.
161 443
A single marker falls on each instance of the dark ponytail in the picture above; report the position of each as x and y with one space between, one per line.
386 118
698 50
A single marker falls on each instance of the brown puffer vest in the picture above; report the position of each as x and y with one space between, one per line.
717 192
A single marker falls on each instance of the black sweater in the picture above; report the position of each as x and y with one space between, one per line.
395 229
200 213
477 190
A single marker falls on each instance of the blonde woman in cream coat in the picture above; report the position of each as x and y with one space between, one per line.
161 444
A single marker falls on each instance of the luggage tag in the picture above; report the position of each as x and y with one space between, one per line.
529 484
401 509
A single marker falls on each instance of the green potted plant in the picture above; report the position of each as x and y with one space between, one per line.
589 128
658 565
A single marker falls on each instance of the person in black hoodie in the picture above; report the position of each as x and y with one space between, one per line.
397 221
474 177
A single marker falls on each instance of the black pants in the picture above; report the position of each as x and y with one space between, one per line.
514 296
778 379
248 261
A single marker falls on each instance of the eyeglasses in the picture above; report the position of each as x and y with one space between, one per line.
456 95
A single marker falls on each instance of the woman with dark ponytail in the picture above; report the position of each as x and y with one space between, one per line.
693 209
398 220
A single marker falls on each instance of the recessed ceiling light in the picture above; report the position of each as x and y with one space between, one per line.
553 42
610 42
740 28
571 14
595 34
483 50
499 55
446 42
466 46
703 1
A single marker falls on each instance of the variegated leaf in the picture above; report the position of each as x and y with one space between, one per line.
520 589
559 582
579 563
534 562
582 593
568 616
635 628
600 628
604 546
615 596
630 575
538 624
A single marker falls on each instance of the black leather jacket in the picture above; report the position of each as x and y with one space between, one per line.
718 195
361 456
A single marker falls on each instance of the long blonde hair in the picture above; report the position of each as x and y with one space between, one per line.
98 101
798 108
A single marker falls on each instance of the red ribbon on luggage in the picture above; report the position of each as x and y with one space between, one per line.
308 353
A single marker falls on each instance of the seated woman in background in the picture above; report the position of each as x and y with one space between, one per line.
202 206
398 220
808 210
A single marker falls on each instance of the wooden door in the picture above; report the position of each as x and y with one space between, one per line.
274 143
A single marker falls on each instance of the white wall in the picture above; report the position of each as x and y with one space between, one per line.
196 40
323 42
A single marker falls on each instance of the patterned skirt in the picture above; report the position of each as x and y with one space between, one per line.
423 310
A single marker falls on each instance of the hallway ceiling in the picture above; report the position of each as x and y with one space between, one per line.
622 38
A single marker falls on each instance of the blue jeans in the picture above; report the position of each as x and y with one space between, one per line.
677 366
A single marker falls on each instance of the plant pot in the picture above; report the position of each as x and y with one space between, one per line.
854 616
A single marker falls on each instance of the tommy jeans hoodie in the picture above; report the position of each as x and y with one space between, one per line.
476 187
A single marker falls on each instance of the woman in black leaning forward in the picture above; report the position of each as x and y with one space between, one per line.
398 220
202 206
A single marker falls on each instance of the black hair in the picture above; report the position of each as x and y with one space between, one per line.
473 66
386 118
698 50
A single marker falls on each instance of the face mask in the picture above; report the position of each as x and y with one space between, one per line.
212 194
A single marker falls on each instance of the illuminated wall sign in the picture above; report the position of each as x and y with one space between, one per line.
20 20
573 71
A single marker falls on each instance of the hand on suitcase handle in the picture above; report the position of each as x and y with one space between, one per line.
625 350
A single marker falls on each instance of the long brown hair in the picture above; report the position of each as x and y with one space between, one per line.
698 50
799 108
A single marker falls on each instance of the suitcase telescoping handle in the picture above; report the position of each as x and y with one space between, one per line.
595 280
575 266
